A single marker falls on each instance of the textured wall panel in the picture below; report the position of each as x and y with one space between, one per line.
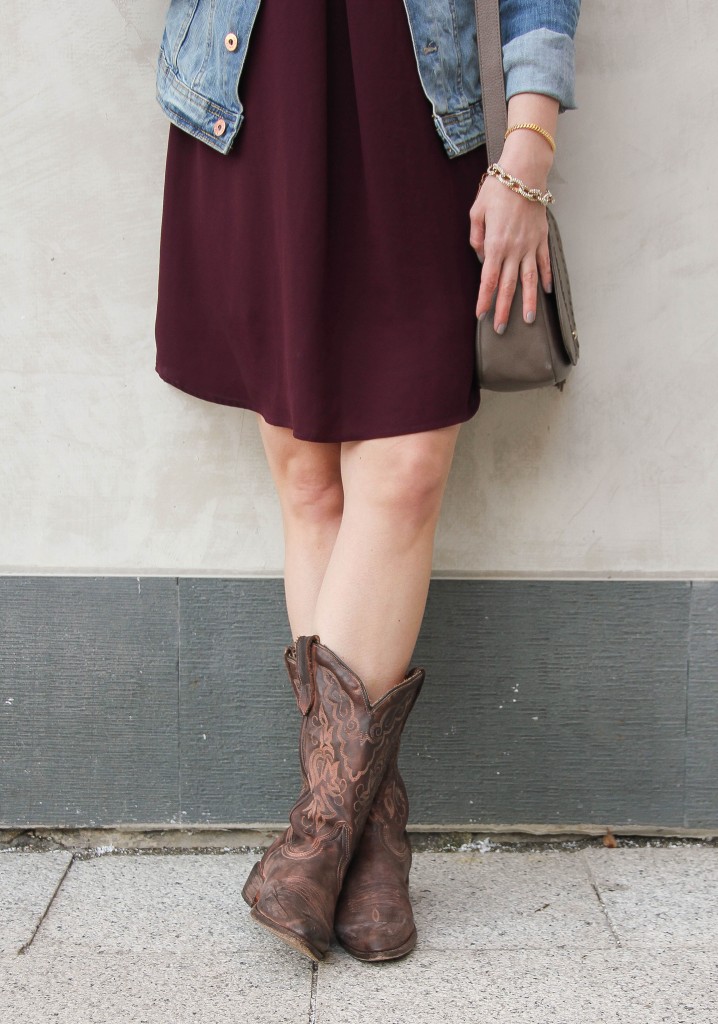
238 718
545 702
702 719
551 702
88 700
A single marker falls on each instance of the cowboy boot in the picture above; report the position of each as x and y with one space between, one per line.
373 919
346 744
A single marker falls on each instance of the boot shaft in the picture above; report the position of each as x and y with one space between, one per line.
346 742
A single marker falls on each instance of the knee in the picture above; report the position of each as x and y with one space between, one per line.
411 480
312 492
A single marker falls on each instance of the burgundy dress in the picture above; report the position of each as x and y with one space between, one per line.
321 273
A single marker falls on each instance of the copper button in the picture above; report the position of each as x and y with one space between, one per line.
230 41
219 126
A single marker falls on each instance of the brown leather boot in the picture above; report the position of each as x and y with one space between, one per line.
373 919
346 744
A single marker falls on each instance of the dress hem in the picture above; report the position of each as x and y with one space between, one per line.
241 404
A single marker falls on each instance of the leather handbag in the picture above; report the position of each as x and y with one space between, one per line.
544 352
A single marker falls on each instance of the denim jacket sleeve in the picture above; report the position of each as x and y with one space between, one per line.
538 47
537 39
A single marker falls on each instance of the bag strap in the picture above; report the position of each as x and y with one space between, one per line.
491 72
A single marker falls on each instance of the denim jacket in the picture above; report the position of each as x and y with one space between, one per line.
205 44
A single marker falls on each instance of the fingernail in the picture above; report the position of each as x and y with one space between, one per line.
501 328
482 316
530 317
550 287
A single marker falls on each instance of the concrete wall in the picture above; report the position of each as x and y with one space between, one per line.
128 700
106 469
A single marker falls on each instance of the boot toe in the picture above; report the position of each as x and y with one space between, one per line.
376 932
290 910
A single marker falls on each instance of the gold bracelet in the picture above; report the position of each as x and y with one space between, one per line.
534 128
534 195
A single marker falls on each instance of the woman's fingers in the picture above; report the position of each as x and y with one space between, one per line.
544 266
499 279
511 236
529 287
506 280
477 235
505 294
489 283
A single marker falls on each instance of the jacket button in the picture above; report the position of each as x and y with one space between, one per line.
230 41
219 126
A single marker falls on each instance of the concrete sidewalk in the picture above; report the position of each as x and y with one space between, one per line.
579 933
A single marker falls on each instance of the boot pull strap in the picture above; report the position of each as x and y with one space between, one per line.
304 681
290 660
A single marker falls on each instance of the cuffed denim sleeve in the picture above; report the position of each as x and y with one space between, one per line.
538 49
541 61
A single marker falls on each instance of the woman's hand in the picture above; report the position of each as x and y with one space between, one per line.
509 233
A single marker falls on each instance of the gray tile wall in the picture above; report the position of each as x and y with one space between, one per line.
164 700
701 785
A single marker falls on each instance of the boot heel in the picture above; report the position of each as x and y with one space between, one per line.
250 892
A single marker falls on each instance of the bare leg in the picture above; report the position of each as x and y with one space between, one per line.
359 523
373 595
307 477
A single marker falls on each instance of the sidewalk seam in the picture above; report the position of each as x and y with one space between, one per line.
26 945
594 885
313 994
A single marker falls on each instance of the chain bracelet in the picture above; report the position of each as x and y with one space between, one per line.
534 128
534 195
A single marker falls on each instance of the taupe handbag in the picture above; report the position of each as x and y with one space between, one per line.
525 355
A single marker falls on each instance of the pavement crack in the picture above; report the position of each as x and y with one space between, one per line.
594 885
26 945
604 908
313 994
